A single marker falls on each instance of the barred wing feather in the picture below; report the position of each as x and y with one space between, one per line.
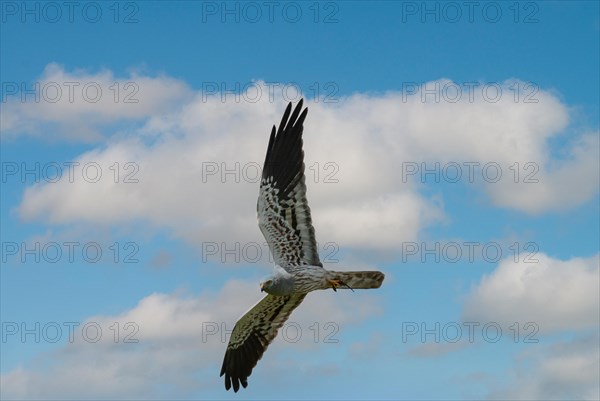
283 212
251 336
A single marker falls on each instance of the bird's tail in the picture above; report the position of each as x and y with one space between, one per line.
358 280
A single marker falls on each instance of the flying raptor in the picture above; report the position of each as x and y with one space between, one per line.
284 219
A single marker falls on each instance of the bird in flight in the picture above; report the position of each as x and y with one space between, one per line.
284 219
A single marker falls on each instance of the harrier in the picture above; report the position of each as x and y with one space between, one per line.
284 219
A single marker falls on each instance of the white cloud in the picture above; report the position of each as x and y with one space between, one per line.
560 371
177 191
77 104
555 295
197 164
177 349
397 216
559 185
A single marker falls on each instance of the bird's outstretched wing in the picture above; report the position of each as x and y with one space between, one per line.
252 334
283 212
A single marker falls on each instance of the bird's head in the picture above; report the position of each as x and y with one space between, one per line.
278 284
266 285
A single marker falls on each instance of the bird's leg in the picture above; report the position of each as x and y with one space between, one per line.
336 283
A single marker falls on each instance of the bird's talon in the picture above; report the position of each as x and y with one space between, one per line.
335 283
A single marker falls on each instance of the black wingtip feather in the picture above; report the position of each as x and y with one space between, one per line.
238 364
284 161
284 119
295 113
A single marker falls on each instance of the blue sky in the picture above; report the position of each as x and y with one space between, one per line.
172 104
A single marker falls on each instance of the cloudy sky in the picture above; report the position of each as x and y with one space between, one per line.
454 146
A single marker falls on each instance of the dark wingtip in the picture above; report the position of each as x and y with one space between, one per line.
233 381
284 158
303 116
284 119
